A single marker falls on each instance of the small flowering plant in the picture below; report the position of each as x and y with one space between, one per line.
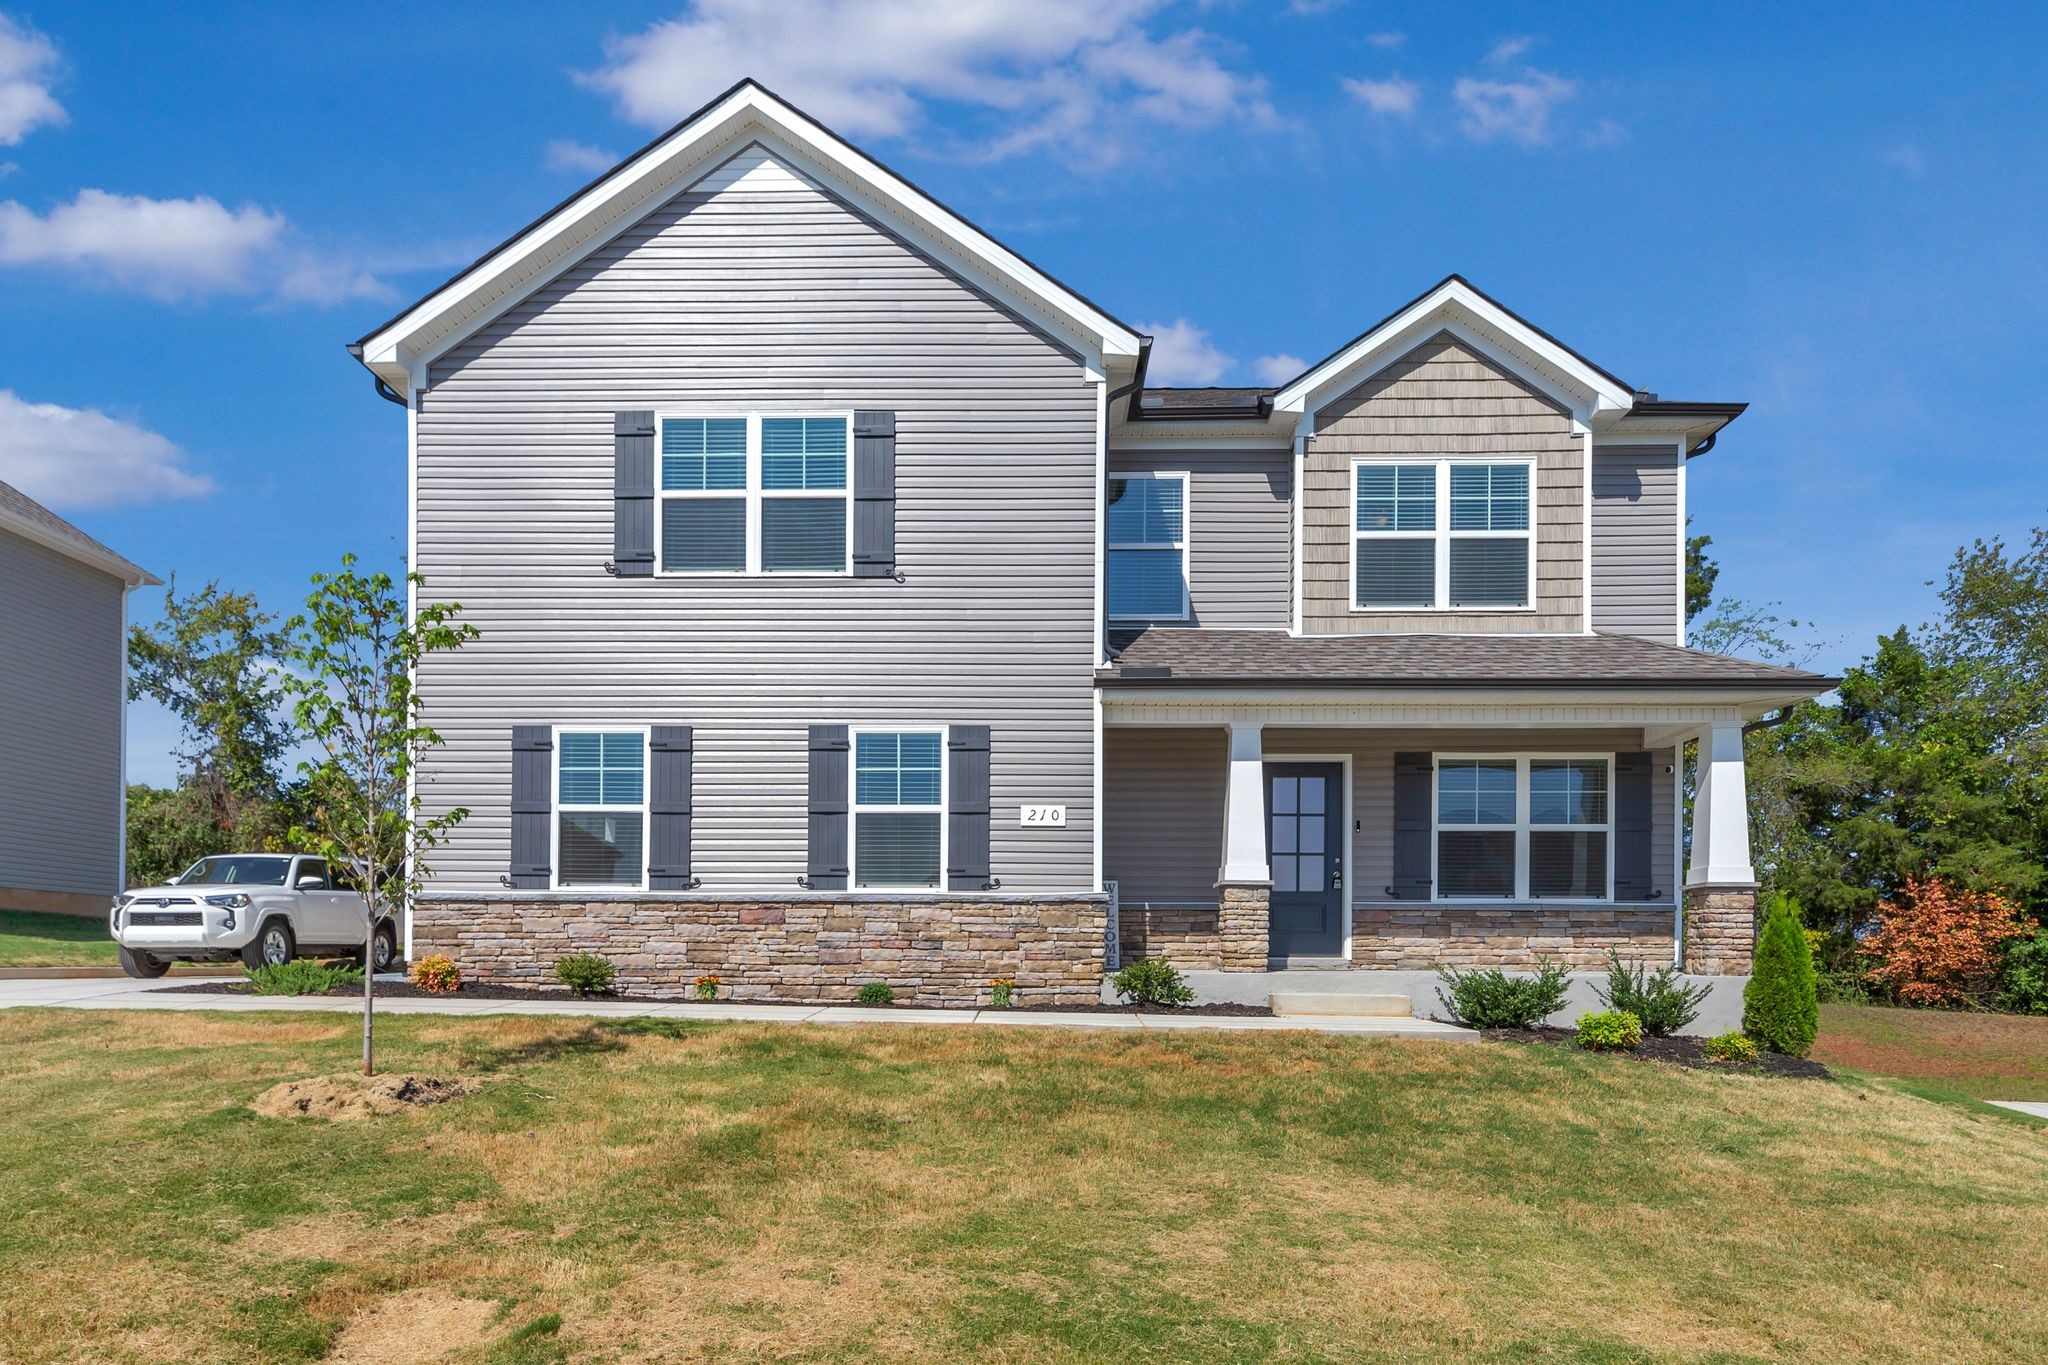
1002 992
436 974
707 987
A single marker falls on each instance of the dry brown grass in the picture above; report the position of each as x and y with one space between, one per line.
779 1193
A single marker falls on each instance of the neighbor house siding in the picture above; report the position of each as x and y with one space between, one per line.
61 700
1164 790
1239 531
757 289
1443 398
1635 541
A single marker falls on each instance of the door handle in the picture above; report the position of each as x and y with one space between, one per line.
1337 877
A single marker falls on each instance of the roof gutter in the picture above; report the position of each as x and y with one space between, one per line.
1161 679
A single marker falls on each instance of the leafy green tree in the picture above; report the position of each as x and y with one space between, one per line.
358 652
1780 1005
168 831
1700 573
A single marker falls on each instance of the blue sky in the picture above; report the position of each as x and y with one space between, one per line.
1837 213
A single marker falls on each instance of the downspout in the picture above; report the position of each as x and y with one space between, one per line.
1137 384
389 394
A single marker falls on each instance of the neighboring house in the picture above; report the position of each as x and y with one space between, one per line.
852 608
63 683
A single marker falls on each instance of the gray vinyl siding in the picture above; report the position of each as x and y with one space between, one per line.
759 290
1162 800
1240 530
1443 399
1636 587
61 682
1164 791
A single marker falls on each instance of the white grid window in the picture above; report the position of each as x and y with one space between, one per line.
899 808
600 808
1524 827
1442 535
1146 526
756 495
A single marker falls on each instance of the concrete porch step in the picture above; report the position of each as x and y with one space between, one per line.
1356 1004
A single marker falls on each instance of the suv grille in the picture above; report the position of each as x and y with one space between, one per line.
162 918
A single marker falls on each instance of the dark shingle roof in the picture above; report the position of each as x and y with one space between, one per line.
18 507
1167 656
1158 399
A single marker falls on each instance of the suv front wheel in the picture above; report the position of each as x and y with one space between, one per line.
142 966
273 946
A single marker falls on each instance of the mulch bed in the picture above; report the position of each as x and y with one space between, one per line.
1690 1052
405 990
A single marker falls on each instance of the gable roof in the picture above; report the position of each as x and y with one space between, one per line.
30 520
1456 306
748 112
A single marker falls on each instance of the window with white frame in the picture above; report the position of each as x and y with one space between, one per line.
1146 530
1442 535
758 494
899 808
600 808
1534 828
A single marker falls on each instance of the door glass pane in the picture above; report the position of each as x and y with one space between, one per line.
1311 835
1283 874
1475 863
1283 834
1312 795
1309 876
1286 795
1568 863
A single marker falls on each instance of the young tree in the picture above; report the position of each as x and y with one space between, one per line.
358 653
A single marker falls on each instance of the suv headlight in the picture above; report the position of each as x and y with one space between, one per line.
234 901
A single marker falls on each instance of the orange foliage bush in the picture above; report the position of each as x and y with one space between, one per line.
436 974
1938 944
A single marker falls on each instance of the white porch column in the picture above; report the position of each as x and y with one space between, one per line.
1244 819
1720 812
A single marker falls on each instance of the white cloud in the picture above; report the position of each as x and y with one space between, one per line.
81 458
1314 7
1908 157
1056 75
1389 41
1507 49
28 64
579 157
1518 110
1278 369
1183 354
1391 96
179 248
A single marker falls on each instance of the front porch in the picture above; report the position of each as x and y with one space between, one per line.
1388 802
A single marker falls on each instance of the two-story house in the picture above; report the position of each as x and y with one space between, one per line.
854 609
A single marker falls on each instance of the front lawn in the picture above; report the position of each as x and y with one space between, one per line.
1983 1056
34 940
680 1190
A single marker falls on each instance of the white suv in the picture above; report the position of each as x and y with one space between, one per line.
263 908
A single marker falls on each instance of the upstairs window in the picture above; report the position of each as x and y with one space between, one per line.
899 808
759 495
600 808
1441 535
1146 527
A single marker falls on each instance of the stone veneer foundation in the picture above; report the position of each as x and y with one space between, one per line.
1720 930
1244 926
1186 936
931 950
1400 938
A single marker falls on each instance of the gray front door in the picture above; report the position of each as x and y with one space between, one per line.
1305 843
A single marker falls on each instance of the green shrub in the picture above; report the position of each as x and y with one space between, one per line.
1733 1046
436 974
1661 1000
302 976
1493 999
1153 981
1614 1031
1780 1005
586 974
876 993
2023 977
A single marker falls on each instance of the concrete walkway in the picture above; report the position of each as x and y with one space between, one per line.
2037 1109
152 995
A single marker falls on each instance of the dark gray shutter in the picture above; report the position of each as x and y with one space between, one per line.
1414 777
533 753
830 763
633 494
967 866
668 808
874 494
1633 878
